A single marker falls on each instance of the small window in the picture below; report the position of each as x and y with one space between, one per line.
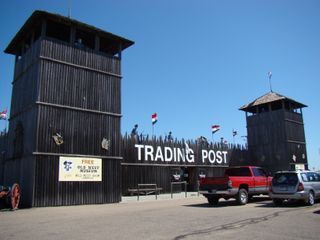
258 172
84 39
108 46
239 172
313 177
58 31
290 179
304 177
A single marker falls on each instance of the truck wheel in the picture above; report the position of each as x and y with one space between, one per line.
242 197
277 202
310 200
213 200
15 196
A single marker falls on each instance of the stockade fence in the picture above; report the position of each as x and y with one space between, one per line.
145 161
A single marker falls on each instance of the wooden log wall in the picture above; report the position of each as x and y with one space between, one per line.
79 78
19 163
274 137
76 93
51 192
3 152
135 172
79 98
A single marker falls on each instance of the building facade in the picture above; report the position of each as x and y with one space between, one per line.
64 145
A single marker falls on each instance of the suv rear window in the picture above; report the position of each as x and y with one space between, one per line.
239 172
285 178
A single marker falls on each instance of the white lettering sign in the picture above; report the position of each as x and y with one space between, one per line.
218 157
178 155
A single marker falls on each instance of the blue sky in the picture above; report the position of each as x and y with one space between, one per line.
196 62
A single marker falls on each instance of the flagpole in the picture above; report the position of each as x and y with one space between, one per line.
270 84
269 76
154 119
233 135
7 120
7 130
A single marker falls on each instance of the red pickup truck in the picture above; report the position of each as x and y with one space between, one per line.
240 183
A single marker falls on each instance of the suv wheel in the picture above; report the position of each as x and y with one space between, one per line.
310 200
242 197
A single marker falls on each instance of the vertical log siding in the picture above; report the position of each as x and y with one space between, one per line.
50 192
135 171
58 88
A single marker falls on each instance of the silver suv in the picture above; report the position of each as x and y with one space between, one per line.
295 185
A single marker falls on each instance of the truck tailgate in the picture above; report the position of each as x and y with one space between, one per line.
216 183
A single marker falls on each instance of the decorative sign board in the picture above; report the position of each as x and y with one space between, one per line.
80 169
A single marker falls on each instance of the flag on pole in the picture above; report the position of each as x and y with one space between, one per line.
154 118
3 115
215 128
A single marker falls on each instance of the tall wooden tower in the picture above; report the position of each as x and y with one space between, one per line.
276 138
64 131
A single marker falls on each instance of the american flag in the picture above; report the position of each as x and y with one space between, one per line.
154 118
3 115
215 128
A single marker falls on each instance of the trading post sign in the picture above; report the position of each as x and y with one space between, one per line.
80 169
167 155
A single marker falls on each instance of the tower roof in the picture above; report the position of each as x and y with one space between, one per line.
37 15
270 97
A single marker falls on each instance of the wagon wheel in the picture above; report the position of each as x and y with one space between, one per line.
15 196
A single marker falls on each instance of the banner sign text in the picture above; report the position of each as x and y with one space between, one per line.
148 153
80 169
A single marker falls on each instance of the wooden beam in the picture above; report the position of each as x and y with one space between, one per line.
78 109
80 66
77 155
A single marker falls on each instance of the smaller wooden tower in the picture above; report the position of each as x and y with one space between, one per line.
276 138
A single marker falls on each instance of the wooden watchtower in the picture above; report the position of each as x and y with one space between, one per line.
276 138
66 102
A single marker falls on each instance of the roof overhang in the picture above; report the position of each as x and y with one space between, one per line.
37 16
270 97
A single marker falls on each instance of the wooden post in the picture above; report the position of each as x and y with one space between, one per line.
97 43
44 28
72 35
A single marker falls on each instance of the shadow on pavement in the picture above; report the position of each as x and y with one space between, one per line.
285 204
229 203
317 212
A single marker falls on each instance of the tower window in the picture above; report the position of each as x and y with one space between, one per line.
85 39
58 31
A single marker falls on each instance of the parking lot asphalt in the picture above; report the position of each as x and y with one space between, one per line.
165 218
